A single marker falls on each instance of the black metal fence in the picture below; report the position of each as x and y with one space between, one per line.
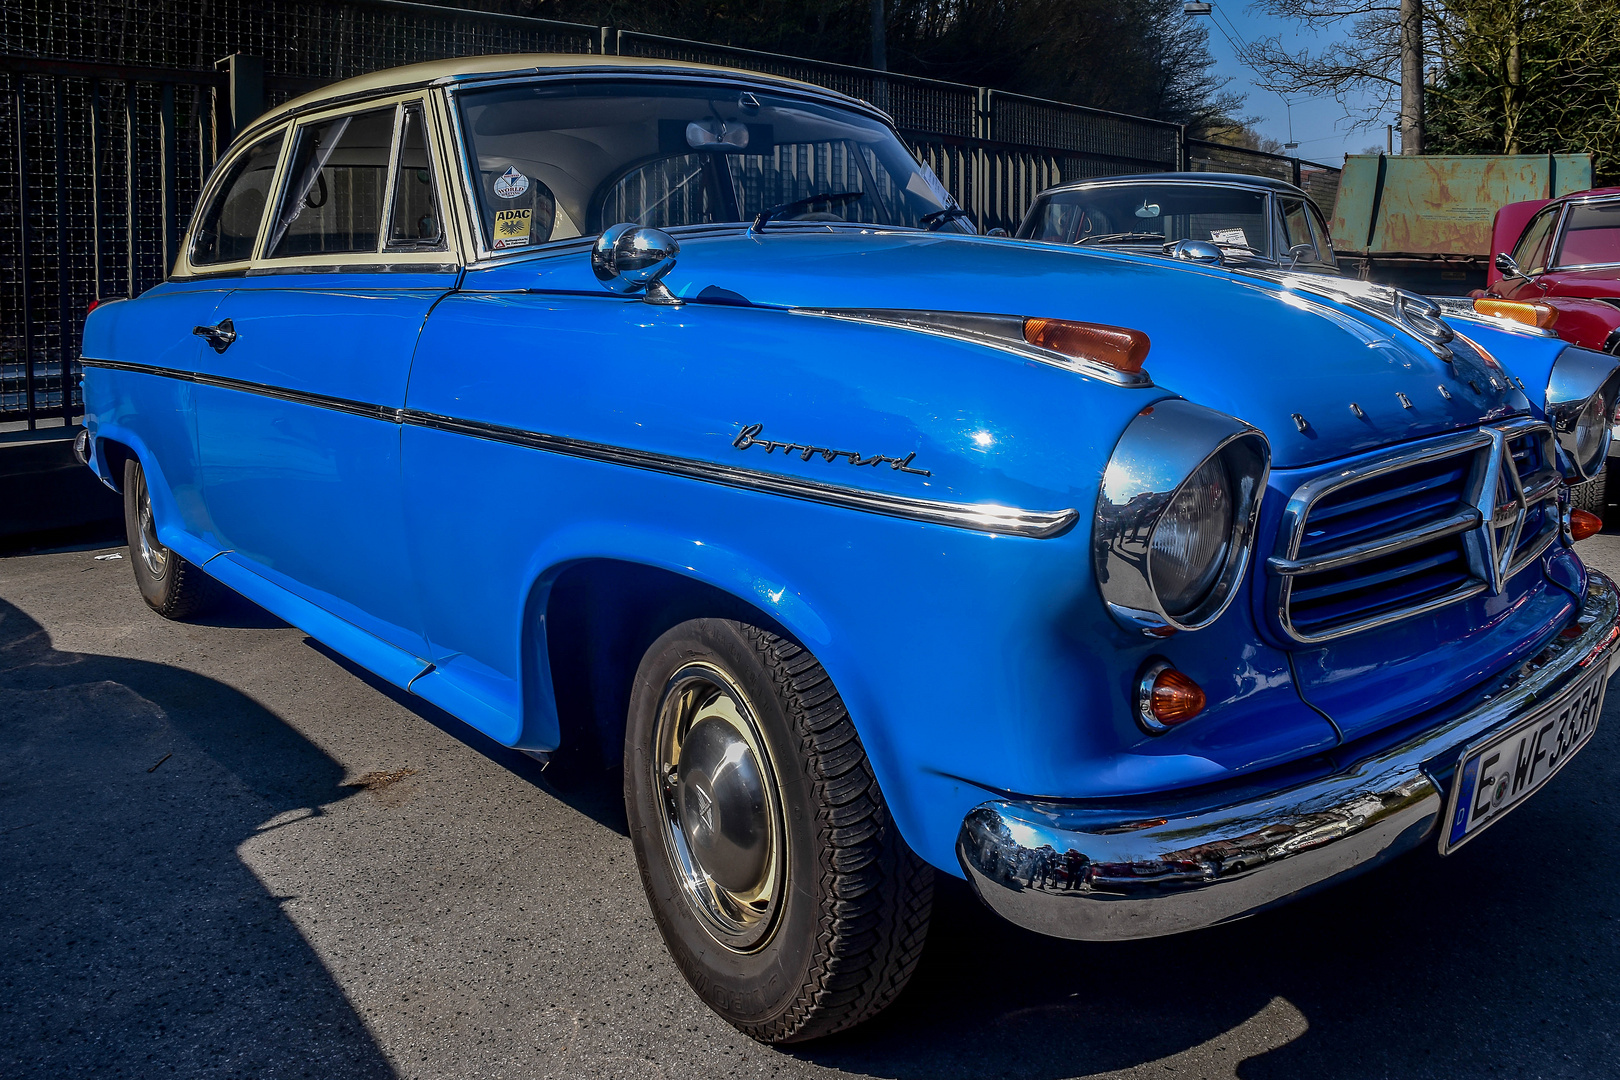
112 112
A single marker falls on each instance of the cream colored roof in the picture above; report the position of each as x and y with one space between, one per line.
510 63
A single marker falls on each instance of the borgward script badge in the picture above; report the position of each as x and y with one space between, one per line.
749 437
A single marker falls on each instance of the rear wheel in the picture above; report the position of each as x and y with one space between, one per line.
170 585
773 868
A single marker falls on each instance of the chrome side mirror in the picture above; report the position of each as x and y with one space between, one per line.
630 258
1201 251
998 232
1506 264
1298 252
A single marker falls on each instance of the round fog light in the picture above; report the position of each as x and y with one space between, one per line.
1165 697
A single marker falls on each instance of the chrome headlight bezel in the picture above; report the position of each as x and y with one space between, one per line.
1162 448
1581 379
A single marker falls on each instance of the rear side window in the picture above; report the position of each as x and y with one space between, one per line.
332 201
230 223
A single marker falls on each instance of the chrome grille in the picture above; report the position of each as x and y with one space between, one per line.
1402 533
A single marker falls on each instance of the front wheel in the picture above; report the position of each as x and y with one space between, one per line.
1592 496
170 585
773 868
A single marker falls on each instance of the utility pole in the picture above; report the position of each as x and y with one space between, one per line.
880 48
1411 76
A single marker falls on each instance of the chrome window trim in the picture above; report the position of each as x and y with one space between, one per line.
1002 332
1488 445
977 517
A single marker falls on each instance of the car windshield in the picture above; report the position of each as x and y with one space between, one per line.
553 161
1591 235
1151 214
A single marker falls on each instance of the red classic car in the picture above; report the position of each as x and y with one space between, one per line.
1557 267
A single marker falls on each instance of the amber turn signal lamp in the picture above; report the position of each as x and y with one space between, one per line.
1115 346
1584 523
1165 697
1539 315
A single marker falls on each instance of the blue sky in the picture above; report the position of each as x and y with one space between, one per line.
1321 126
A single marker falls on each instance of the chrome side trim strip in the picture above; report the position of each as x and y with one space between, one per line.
978 517
224 382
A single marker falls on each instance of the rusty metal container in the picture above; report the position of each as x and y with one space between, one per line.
1424 222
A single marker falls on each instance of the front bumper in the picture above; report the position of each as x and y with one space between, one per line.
1156 866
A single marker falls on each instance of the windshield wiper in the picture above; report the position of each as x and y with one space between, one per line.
799 204
935 220
1120 237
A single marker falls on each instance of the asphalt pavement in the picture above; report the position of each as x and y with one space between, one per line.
226 851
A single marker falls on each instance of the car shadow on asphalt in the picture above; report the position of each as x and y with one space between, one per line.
579 776
137 941
1497 960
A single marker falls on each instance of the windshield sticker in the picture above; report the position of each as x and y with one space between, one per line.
512 228
511 183
1229 236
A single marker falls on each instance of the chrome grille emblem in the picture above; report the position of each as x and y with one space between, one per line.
1502 510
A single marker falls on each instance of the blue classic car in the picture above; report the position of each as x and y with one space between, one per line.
676 411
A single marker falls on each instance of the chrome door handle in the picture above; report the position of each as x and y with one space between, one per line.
220 336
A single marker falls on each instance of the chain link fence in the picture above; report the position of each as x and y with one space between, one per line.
112 114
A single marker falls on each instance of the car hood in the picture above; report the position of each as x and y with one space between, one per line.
1322 377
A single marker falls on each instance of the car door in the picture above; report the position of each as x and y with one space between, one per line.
156 337
299 423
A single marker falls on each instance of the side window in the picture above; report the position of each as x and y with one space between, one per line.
1531 250
1591 235
332 199
228 226
415 219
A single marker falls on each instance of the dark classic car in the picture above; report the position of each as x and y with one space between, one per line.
674 411
1252 221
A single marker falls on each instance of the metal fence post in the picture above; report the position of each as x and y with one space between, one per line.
246 74
1181 148
23 250
168 159
64 290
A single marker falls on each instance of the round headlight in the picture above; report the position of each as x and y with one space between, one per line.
1190 541
1176 513
1581 391
1591 441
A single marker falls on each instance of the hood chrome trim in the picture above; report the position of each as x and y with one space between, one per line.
1003 332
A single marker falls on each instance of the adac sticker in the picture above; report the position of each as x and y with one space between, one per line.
512 228
511 183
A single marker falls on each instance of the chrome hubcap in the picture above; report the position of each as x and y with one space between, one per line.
152 553
722 814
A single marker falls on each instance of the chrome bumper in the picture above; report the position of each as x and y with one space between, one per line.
1167 864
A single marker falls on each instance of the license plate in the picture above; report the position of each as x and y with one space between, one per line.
1497 775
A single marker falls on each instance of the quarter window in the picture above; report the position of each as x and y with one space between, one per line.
230 223
332 201
415 220
1295 229
1531 251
